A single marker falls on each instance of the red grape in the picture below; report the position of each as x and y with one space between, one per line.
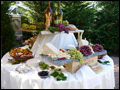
97 48
85 50
61 28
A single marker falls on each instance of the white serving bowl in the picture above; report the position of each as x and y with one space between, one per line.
33 62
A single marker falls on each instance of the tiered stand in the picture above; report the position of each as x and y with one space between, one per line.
25 30
30 31
72 65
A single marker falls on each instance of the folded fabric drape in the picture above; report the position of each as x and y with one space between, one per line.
84 78
60 41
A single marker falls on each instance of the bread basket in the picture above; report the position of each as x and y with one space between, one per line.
27 54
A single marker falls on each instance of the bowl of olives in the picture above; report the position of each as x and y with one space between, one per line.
43 74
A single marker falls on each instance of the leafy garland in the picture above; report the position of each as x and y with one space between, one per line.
105 62
53 29
58 75
14 62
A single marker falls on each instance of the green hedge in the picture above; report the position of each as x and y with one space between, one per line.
7 31
101 26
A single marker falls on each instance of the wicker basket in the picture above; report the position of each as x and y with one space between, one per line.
21 57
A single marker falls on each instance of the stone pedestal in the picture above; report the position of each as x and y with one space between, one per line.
16 22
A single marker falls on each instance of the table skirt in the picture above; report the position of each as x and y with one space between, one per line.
10 79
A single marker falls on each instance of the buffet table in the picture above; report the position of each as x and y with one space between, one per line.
84 78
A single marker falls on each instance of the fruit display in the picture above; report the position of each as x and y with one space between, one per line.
85 50
25 26
65 22
76 54
61 28
55 27
97 48
20 54
32 27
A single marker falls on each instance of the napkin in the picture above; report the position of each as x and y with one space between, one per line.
104 59
89 77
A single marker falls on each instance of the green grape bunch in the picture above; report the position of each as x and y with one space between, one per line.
32 27
25 26
76 54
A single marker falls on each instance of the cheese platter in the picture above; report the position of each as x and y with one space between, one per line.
65 61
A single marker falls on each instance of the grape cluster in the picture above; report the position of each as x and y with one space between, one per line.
61 28
25 26
76 54
32 27
85 50
97 48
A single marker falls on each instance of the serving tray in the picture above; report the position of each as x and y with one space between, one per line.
66 61
27 30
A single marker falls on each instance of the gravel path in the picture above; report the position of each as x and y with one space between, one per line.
116 70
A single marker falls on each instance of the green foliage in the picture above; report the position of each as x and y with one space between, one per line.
7 31
53 29
24 20
44 66
105 62
13 62
101 26
77 13
58 75
106 30
36 14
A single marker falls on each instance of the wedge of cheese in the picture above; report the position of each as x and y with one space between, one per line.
49 49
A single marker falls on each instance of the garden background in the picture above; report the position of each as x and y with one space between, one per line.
98 19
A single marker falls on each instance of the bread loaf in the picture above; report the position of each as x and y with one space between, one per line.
72 27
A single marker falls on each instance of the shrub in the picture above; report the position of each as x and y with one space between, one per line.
7 31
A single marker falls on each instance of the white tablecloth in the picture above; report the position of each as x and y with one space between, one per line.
84 78
60 41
